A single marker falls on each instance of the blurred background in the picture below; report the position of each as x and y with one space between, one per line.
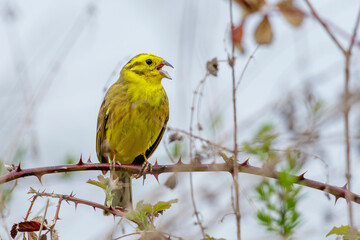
58 58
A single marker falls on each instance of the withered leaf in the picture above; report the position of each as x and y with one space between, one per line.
55 235
237 33
32 236
39 219
212 66
175 137
263 32
249 7
29 226
171 182
13 231
292 14
240 47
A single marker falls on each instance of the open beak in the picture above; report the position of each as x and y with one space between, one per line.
164 73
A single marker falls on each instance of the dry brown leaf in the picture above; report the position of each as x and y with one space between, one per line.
171 182
237 33
175 137
32 236
263 32
240 47
250 6
292 14
212 66
55 235
13 231
29 226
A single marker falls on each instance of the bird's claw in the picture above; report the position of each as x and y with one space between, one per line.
145 168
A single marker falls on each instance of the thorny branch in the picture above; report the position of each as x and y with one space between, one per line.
245 167
71 198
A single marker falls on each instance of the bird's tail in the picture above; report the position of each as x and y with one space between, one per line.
121 194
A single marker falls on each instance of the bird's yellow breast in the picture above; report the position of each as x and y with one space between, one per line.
136 115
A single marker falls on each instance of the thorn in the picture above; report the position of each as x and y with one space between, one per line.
156 163
245 163
344 187
156 175
89 161
179 162
301 176
18 168
80 161
111 209
104 172
336 198
67 201
94 208
39 176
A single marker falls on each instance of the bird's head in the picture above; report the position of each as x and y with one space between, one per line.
147 66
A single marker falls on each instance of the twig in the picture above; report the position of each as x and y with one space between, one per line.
31 205
191 143
43 220
71 198
346 120
236 171
325 26
208 142
246 66
56 217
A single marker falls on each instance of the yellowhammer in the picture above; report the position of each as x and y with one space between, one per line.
132 119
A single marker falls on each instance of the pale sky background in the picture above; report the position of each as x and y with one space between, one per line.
65 53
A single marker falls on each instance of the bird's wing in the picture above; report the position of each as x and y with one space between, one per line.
140 159
101 134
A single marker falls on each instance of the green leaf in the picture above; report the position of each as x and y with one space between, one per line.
144 213
70 159
264 218
286 180
177 149
343 231
262 143
161 206
102 183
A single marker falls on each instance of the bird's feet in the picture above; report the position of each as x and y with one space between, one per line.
145 168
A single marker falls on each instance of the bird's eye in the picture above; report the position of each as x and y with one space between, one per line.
148 61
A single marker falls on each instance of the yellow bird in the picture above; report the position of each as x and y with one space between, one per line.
132 119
